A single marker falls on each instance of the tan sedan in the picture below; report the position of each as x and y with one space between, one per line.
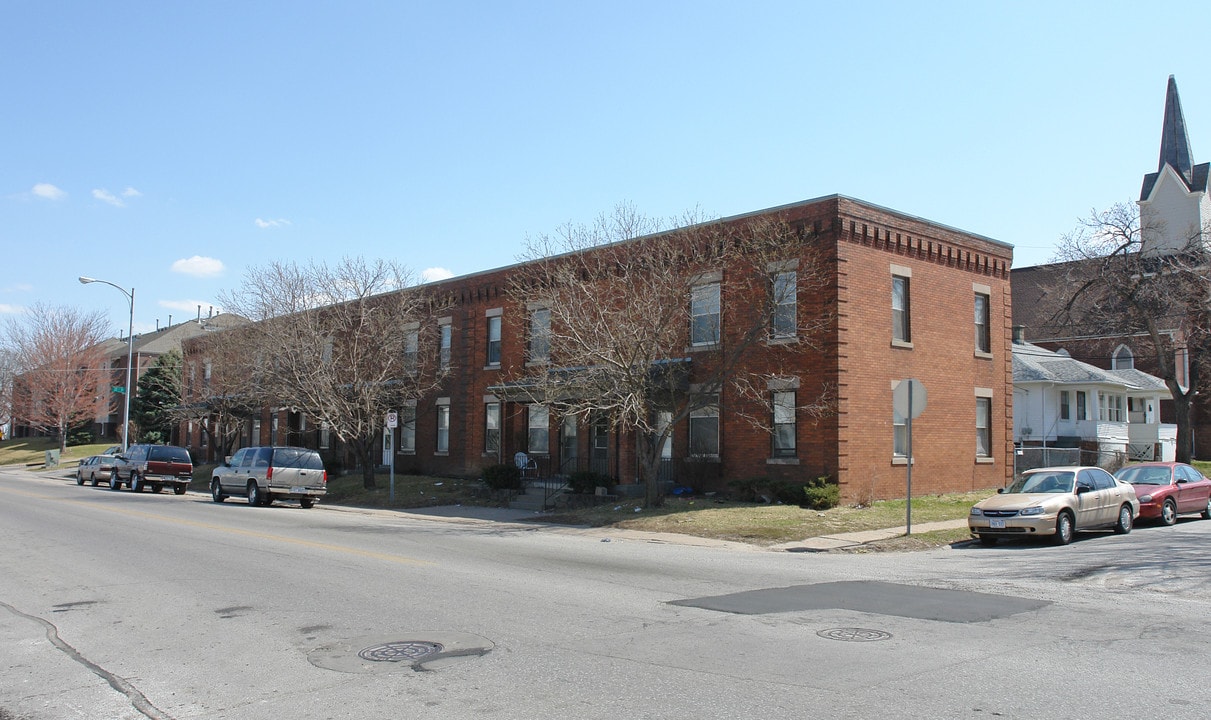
1057 501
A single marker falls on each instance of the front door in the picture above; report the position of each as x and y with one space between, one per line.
568 446
601 447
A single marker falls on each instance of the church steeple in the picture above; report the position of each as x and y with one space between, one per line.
1175 142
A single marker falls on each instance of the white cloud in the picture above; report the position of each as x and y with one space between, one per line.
107 196
434 274
198 266
261 223
47 191
6 309
131 193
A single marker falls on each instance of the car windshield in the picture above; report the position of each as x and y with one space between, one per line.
1044 482
1144 475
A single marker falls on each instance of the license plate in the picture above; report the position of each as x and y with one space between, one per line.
996 524
299 489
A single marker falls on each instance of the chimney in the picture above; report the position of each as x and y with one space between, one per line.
1019 334
157 324
211 313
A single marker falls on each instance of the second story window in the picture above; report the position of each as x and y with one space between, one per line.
540 335
704 314
411 349
445 345
983 339
901 330
784 287
494 340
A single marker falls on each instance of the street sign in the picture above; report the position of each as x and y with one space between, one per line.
392 419
908 397
118 389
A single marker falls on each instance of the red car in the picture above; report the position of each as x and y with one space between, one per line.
1168 489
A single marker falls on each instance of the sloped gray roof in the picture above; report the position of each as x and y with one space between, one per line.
1032 363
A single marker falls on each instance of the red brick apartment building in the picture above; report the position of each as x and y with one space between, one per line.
907 298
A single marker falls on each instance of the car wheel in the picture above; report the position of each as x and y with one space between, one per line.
1125 520
79 478
306 503
254 493
1169 512
136 482
115 482
1207 510
988 540
180 488
1064 529
96 482
157 488
216 491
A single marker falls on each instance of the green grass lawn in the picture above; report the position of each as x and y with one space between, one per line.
32 451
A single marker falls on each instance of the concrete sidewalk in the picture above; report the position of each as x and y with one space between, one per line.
853 539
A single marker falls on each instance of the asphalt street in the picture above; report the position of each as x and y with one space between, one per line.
115 605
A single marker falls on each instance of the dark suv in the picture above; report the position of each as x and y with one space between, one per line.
265 474
154 466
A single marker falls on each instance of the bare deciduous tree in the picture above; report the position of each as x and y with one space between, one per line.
343 344
219 386
8 368
61 377
1115 286
632 330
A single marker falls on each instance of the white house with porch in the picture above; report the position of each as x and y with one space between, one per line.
1059 402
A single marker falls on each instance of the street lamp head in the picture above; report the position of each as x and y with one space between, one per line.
86 280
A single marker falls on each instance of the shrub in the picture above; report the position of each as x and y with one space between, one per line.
586 482
505 476
821 494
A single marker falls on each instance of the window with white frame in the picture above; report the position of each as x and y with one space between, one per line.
1065 402
1124 359
704 427
1082 405
784 287
901 326
704 314
540 335
492 428
984 427
1110 407
664 419
443 429
407 429
784 424
899 435
538 439
982 319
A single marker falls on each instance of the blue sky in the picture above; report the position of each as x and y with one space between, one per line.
168 146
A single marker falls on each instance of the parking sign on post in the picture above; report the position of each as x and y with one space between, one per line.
908 400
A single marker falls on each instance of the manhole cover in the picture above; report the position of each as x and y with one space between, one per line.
854 634
407 650
386 654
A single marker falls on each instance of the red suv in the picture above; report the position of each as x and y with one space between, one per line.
154 466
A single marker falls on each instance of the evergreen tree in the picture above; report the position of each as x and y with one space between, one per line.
159 391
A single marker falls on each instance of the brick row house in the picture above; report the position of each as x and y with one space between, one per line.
904 297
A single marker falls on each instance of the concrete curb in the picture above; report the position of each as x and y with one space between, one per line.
824 543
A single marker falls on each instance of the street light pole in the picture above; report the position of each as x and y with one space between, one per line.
130 351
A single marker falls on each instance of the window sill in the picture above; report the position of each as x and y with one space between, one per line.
901 344
491 366
983 355
785 340
985 460
782 461
442 453
900 461
702 458
408 453
702 347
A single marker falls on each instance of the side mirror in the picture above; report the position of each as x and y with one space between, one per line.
227 461
1082 489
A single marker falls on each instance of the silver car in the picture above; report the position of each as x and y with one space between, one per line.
265 474
1057 501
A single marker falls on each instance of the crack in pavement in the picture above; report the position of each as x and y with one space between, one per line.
137 699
